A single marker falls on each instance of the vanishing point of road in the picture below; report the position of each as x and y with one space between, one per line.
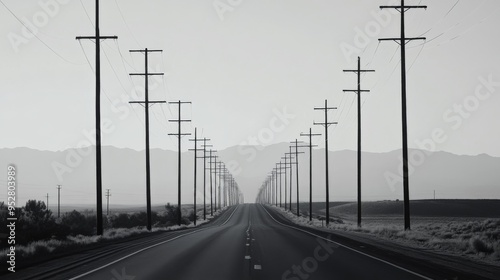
248 241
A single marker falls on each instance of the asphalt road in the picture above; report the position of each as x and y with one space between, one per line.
246 243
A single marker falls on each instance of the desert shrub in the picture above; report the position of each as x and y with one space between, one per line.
139 219
77 223
480 246
170 217
447 235
192 216
121 220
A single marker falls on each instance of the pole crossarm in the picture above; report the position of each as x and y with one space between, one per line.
398 40
356 91
325 123
94 37
406 8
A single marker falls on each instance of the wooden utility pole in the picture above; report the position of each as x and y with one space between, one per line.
211 181
179 135
296 143
59 187
310 135
402 41
195 140
326 124
97 38
215 183
222 173
280 166
286 185
291 163
359 91
205 146
274 184
146 103
47 196
108 194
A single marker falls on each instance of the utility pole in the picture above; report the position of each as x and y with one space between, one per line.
211 182
291 163
279 168
47 196
276 186
205 177
195 168
310 135
326 124
107 201
296 142
219 166
402 41
215 182
59 187
179 134
359 91
291 171
98 39
286 185
146 103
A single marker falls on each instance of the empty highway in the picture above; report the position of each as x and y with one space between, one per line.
247 242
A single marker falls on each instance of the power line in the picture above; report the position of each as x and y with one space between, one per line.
36 36
126 25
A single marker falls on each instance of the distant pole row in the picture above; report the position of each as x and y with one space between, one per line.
266 191
232 194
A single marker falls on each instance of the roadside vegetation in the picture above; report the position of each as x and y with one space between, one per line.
40 233
471 237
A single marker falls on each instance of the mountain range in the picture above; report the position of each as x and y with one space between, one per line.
445 175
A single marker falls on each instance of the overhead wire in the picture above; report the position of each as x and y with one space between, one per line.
126 24
37 37
87 14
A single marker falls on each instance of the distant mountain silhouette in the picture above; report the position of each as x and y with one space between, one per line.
450 175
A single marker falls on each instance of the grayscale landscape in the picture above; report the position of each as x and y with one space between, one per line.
250 140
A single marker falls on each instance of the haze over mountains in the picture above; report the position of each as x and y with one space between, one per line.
449 175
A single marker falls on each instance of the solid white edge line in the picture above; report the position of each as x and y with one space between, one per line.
147 248
349 248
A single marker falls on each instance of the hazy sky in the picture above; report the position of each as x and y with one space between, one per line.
254 70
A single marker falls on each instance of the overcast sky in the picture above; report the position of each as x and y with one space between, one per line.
254 70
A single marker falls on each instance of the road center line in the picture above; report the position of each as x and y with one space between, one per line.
349 248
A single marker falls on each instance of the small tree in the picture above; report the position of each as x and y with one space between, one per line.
36 222
78 223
